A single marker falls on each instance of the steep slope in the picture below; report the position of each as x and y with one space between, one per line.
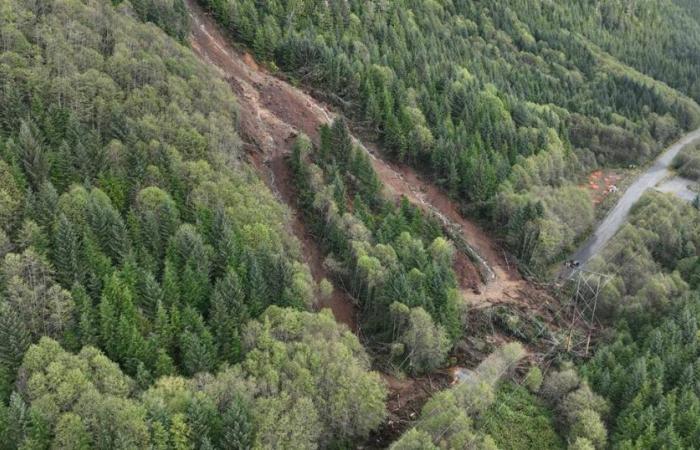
589 106
271 115
503 104
273 112
123 173
151 294
660 38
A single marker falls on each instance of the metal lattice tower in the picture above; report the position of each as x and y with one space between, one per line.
584 303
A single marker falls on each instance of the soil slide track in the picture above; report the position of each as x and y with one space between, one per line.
266 109
273 112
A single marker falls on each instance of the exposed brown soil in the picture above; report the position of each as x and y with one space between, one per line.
467 275
406 399
506 284
279 175
602 183
271 113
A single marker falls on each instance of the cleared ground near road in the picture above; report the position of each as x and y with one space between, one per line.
617 216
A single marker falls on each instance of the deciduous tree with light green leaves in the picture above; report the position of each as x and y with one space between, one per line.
333 388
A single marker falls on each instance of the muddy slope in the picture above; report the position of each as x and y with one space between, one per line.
271 116
273 112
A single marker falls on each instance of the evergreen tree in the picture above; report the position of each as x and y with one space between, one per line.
67 252
228 311
87 321
257 292
43 205
120 321
198 354
223 241
340 143
14 339
236 427
339 193
34 159
150 295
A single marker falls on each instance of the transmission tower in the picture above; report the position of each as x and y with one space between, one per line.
587 286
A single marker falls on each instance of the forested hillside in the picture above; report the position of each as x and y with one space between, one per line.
155 292
507 105
689 7
393 259
503 103
648 372
138 248
658 38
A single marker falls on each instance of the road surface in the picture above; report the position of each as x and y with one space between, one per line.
617 216
683 187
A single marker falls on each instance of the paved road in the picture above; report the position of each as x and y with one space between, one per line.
618 215
683 187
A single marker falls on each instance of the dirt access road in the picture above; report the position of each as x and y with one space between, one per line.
617 216
272 113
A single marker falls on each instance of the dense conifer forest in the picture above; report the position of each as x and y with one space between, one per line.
154 293
137 249
503 103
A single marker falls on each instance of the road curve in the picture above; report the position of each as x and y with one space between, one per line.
618 214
